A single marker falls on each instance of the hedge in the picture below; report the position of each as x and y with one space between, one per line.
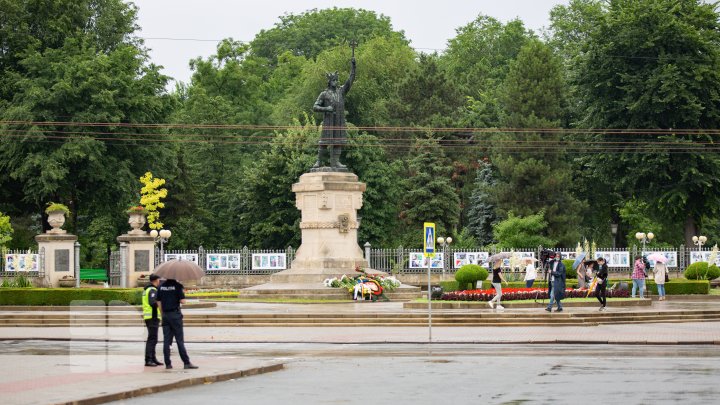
702 271
70 296
672 287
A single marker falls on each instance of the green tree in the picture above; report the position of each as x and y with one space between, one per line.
656 65
429 195
518 232
310 33
534 175
6 230
481 214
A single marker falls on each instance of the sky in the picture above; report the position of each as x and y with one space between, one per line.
177 31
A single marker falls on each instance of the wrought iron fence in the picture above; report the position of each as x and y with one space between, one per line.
234 262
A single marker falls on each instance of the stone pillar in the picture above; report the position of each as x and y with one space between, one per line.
140 256
59 256
328 202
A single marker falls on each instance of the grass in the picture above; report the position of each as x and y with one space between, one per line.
219 294
284 300
589 299
715 291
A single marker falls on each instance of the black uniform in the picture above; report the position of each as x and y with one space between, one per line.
169 294
601 286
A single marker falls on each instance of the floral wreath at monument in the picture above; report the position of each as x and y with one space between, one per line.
364 285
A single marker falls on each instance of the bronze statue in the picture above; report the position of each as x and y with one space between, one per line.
331 102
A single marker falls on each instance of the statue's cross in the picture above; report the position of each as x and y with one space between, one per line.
353 44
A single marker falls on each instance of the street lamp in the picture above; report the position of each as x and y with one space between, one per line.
699 241
444 242
644 238
161 237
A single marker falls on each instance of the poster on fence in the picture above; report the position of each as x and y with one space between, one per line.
418 261
268 261
568 255
462 258
670 255
516 259
614 259
189 257
21 262
223 261
696 256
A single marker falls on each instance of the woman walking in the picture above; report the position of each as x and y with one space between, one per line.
660 274
496 282
601 286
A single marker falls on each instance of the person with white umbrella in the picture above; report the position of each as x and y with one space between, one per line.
660 273
496 282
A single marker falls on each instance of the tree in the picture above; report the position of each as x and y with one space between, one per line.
68 62
533 176
656 65
481 215
310 33
150 198
428 196
6 230
522 232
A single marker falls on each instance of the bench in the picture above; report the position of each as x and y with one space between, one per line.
93 274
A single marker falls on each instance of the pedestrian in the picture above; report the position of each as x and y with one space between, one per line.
170 296
557 277
580 270
152 316
496 282
638 276
530 273
660 274
601 285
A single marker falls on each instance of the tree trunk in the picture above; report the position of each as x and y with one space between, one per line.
691 230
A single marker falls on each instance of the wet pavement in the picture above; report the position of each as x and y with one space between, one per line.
505 374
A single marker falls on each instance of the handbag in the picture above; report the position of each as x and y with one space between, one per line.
667 277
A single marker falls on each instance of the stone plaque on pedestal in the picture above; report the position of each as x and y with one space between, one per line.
142 260
62 260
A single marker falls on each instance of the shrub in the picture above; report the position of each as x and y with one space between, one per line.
702 271
469 274
569 271
69 296
53 207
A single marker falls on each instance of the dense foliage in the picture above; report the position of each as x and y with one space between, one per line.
506 138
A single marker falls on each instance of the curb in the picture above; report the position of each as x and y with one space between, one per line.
188 382
109 308
512 305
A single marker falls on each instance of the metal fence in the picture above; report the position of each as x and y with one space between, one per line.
28 263
234 262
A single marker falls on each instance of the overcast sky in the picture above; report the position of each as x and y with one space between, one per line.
428 24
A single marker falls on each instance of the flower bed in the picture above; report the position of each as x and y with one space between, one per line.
513 294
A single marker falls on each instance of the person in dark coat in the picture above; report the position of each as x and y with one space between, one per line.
557 277
601 286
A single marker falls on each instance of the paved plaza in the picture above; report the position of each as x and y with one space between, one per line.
533 364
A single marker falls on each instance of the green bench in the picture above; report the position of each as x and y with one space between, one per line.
93 274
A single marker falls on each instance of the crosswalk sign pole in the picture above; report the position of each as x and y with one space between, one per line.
429 253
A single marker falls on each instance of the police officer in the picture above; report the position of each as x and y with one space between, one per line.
152 316
170 296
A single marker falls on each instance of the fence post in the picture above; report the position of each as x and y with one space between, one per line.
246 258
123 264
367 253
201 258
77 264
682 260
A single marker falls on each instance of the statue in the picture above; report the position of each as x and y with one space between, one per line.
331 102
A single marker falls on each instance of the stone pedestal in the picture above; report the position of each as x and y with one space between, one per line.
328 202
140 255
59 256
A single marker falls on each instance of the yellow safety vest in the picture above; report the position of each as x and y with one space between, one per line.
147 308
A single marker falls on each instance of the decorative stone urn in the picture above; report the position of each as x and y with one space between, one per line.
67 282
137 221
56 219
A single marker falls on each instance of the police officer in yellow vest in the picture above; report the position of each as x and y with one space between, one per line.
152 316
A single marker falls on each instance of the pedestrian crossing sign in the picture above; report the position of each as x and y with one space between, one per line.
429 240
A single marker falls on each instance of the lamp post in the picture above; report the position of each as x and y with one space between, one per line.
644 238
444 242
161 237
699 241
